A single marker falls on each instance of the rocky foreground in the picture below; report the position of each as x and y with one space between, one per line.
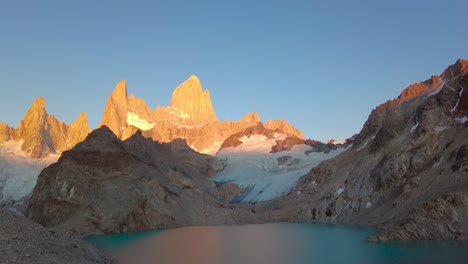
24 241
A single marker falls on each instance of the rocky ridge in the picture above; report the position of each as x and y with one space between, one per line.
407 167
283 126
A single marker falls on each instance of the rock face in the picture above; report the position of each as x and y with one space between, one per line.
406 171
283 126
443 217
383 111
43 134
6 133
191 100
190 116
121 109
104 185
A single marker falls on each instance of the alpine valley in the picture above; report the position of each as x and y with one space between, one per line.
406 171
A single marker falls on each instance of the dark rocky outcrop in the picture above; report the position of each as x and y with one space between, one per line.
104 185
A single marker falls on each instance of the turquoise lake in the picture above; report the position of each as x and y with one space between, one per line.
273 244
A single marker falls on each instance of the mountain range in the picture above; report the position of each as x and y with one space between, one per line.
405 171
190 116
40 138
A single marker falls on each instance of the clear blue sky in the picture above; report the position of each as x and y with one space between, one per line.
321 65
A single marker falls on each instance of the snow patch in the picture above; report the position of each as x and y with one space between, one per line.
414 128
458 101
462 120
361 147
436 91
368 205
179 125
264 175
255 144
439 129
135 120
177 112
455 107
340 191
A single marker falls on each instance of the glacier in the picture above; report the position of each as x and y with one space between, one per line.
18 172
263 175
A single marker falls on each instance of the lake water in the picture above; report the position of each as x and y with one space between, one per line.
273 244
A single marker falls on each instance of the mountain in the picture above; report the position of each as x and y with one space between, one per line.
105 185
405 173
42 134
193 102
190 116
41 138
121 109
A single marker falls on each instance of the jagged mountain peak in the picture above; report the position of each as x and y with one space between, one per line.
43 134
190 98
284 126
459 67
120 91
121 110
102 137
35 117
39 102
190 116
6 132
